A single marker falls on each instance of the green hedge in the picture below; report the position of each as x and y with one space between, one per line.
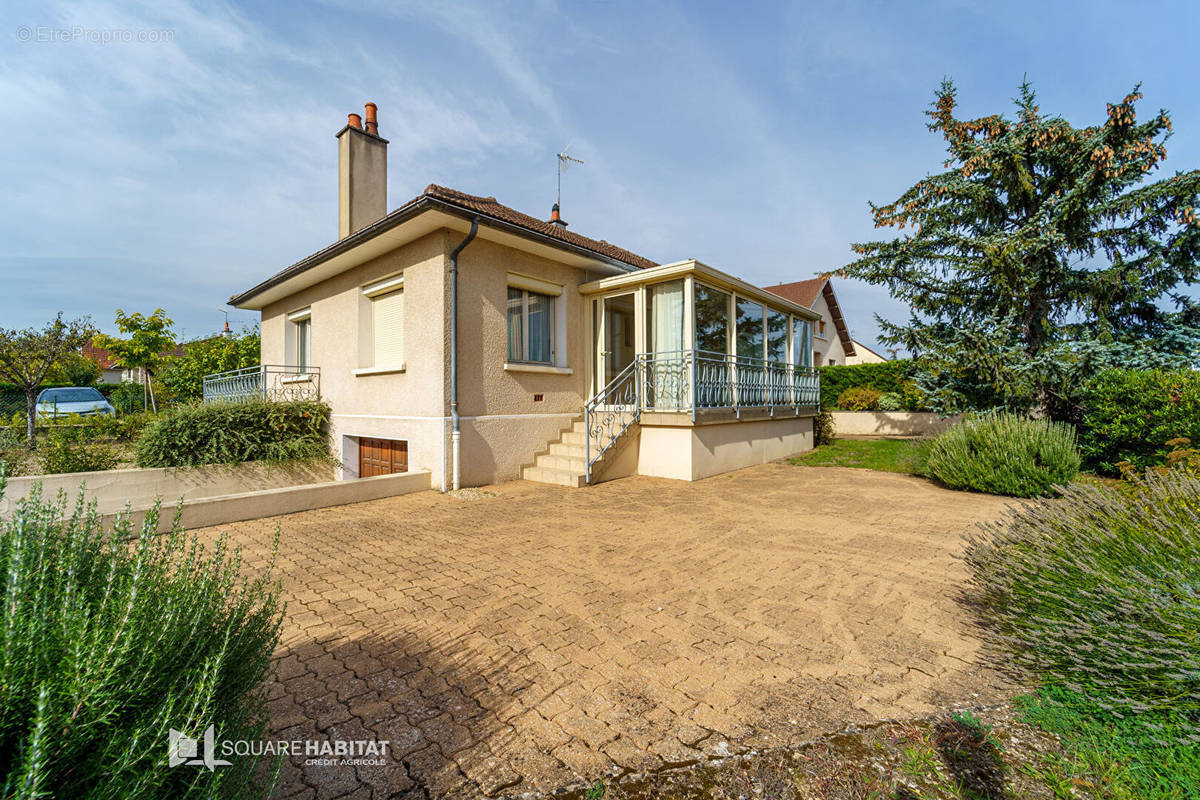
1130 415
230 433
889 377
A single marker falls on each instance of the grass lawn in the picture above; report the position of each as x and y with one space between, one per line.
886 455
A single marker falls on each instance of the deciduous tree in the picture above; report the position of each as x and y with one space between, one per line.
149 339
27 355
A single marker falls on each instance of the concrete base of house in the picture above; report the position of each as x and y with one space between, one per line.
664 446
213 495
891 423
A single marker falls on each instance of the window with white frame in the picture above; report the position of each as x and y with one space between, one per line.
298 347
533 320
385 321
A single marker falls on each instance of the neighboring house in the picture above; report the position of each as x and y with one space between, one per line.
460 336
864 355
831 338
111 371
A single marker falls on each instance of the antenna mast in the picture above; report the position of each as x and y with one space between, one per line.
564 161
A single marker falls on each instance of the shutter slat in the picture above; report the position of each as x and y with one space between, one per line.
388 329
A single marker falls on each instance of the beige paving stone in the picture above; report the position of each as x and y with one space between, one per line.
542 636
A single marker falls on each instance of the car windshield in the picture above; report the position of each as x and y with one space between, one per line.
70 396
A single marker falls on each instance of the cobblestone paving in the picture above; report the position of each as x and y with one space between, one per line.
546 636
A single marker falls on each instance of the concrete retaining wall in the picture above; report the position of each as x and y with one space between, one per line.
215 495
891 423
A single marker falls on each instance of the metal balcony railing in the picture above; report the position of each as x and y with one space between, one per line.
263 382
691 381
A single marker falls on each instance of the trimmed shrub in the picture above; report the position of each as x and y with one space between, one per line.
824 430
890 401
889 376
110 640
73 446
859 398
1005 454
1099 592
230 433
1131 415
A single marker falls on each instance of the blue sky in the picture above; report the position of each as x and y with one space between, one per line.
749 135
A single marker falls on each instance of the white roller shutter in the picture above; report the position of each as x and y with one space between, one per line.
387 323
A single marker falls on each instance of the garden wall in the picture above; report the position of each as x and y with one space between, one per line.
217 494
891 423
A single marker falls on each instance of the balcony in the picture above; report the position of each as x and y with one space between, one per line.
263 382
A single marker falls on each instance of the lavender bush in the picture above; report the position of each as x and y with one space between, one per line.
1099 592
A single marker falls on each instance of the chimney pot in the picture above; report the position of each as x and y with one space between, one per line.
555 219
354 121
372 119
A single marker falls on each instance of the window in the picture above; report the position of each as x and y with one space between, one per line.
749 329
821 327
383 326
777 333
530 326
712 320
664 317
298 348
801 342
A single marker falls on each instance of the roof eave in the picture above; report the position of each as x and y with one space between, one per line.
403 214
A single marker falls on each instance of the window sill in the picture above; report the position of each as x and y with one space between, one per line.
544 369
305 378
365 371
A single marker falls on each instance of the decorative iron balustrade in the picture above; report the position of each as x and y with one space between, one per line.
610 413
689 381
263 382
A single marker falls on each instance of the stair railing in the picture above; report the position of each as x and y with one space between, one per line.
610 413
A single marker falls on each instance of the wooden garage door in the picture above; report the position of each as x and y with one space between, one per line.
381 457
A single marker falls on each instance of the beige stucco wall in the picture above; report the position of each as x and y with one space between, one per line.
692 453
503 426
862 355
891 423
829 344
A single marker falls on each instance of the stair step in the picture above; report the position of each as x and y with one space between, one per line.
567 449
559 477
568 463
574 437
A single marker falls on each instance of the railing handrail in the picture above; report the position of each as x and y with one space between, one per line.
263 381
591 406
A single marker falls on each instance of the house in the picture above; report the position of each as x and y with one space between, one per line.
111 370
457 335
831 338
864 355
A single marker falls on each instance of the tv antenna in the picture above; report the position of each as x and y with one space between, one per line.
564 162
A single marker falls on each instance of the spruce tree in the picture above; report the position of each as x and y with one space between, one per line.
1040 250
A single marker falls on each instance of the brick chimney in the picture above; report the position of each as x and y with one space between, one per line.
362 173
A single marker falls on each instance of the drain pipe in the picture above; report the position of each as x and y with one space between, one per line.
456 433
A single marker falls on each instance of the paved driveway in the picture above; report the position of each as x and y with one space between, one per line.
545 636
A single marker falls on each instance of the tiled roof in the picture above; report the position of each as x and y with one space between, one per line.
493 208
803 293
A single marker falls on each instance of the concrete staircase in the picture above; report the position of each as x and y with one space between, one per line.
563 463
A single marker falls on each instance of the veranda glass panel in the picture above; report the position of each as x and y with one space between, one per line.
751 375
801 342
777 375
666 374
712 320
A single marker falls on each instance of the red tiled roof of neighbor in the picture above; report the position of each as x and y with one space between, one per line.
101 356
493 208
803 293
92 352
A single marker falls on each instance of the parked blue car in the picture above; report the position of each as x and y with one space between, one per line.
52 403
